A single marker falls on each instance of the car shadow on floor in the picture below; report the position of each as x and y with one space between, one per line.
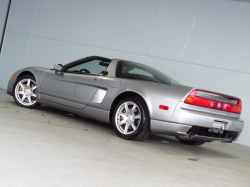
162 143
209 149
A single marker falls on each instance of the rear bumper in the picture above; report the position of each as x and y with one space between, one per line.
200 133
174 129
204 117
187 118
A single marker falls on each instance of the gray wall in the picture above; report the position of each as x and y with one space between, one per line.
46 32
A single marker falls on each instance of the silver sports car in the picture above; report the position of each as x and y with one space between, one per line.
135 98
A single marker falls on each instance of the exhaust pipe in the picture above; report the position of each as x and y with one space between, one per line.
232 139
191 135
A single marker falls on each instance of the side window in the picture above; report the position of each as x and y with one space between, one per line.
92 67
129 70
141 72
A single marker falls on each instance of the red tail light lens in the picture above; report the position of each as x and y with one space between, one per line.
204 98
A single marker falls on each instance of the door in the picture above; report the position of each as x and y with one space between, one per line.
75 85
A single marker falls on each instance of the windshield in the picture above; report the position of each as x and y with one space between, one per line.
132 70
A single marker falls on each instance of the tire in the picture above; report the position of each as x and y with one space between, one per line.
24 92
194 143
131 120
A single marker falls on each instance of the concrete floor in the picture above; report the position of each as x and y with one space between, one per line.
48 147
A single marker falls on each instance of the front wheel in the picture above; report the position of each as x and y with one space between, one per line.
24 92
131 119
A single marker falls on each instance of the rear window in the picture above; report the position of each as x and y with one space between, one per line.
132 70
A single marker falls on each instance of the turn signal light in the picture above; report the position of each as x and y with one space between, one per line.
207 99
14 78
190 99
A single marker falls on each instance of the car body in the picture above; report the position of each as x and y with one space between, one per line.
95 95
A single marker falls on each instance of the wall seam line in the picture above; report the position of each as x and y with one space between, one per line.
146 57
183 50
31 35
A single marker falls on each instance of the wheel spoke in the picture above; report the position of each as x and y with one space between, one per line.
23 98
33 88
29 99
21 92
33 95
122 114
126 107
20 84
133 109
137 117
133 125
28 83
126 129
121 122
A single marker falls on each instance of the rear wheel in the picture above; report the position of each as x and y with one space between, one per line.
24 92
131 119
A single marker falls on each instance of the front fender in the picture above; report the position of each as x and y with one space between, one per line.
36 71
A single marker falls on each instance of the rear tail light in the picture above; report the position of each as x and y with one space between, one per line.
214 100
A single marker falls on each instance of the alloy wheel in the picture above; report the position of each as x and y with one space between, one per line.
128 117
25 92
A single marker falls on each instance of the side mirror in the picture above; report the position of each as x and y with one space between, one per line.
104 72
58 68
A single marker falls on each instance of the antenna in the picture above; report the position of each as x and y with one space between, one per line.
183 50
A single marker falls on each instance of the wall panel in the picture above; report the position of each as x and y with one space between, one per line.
46 52
13 55
113 24
22 16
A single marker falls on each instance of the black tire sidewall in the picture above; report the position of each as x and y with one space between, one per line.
142 122
14 89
